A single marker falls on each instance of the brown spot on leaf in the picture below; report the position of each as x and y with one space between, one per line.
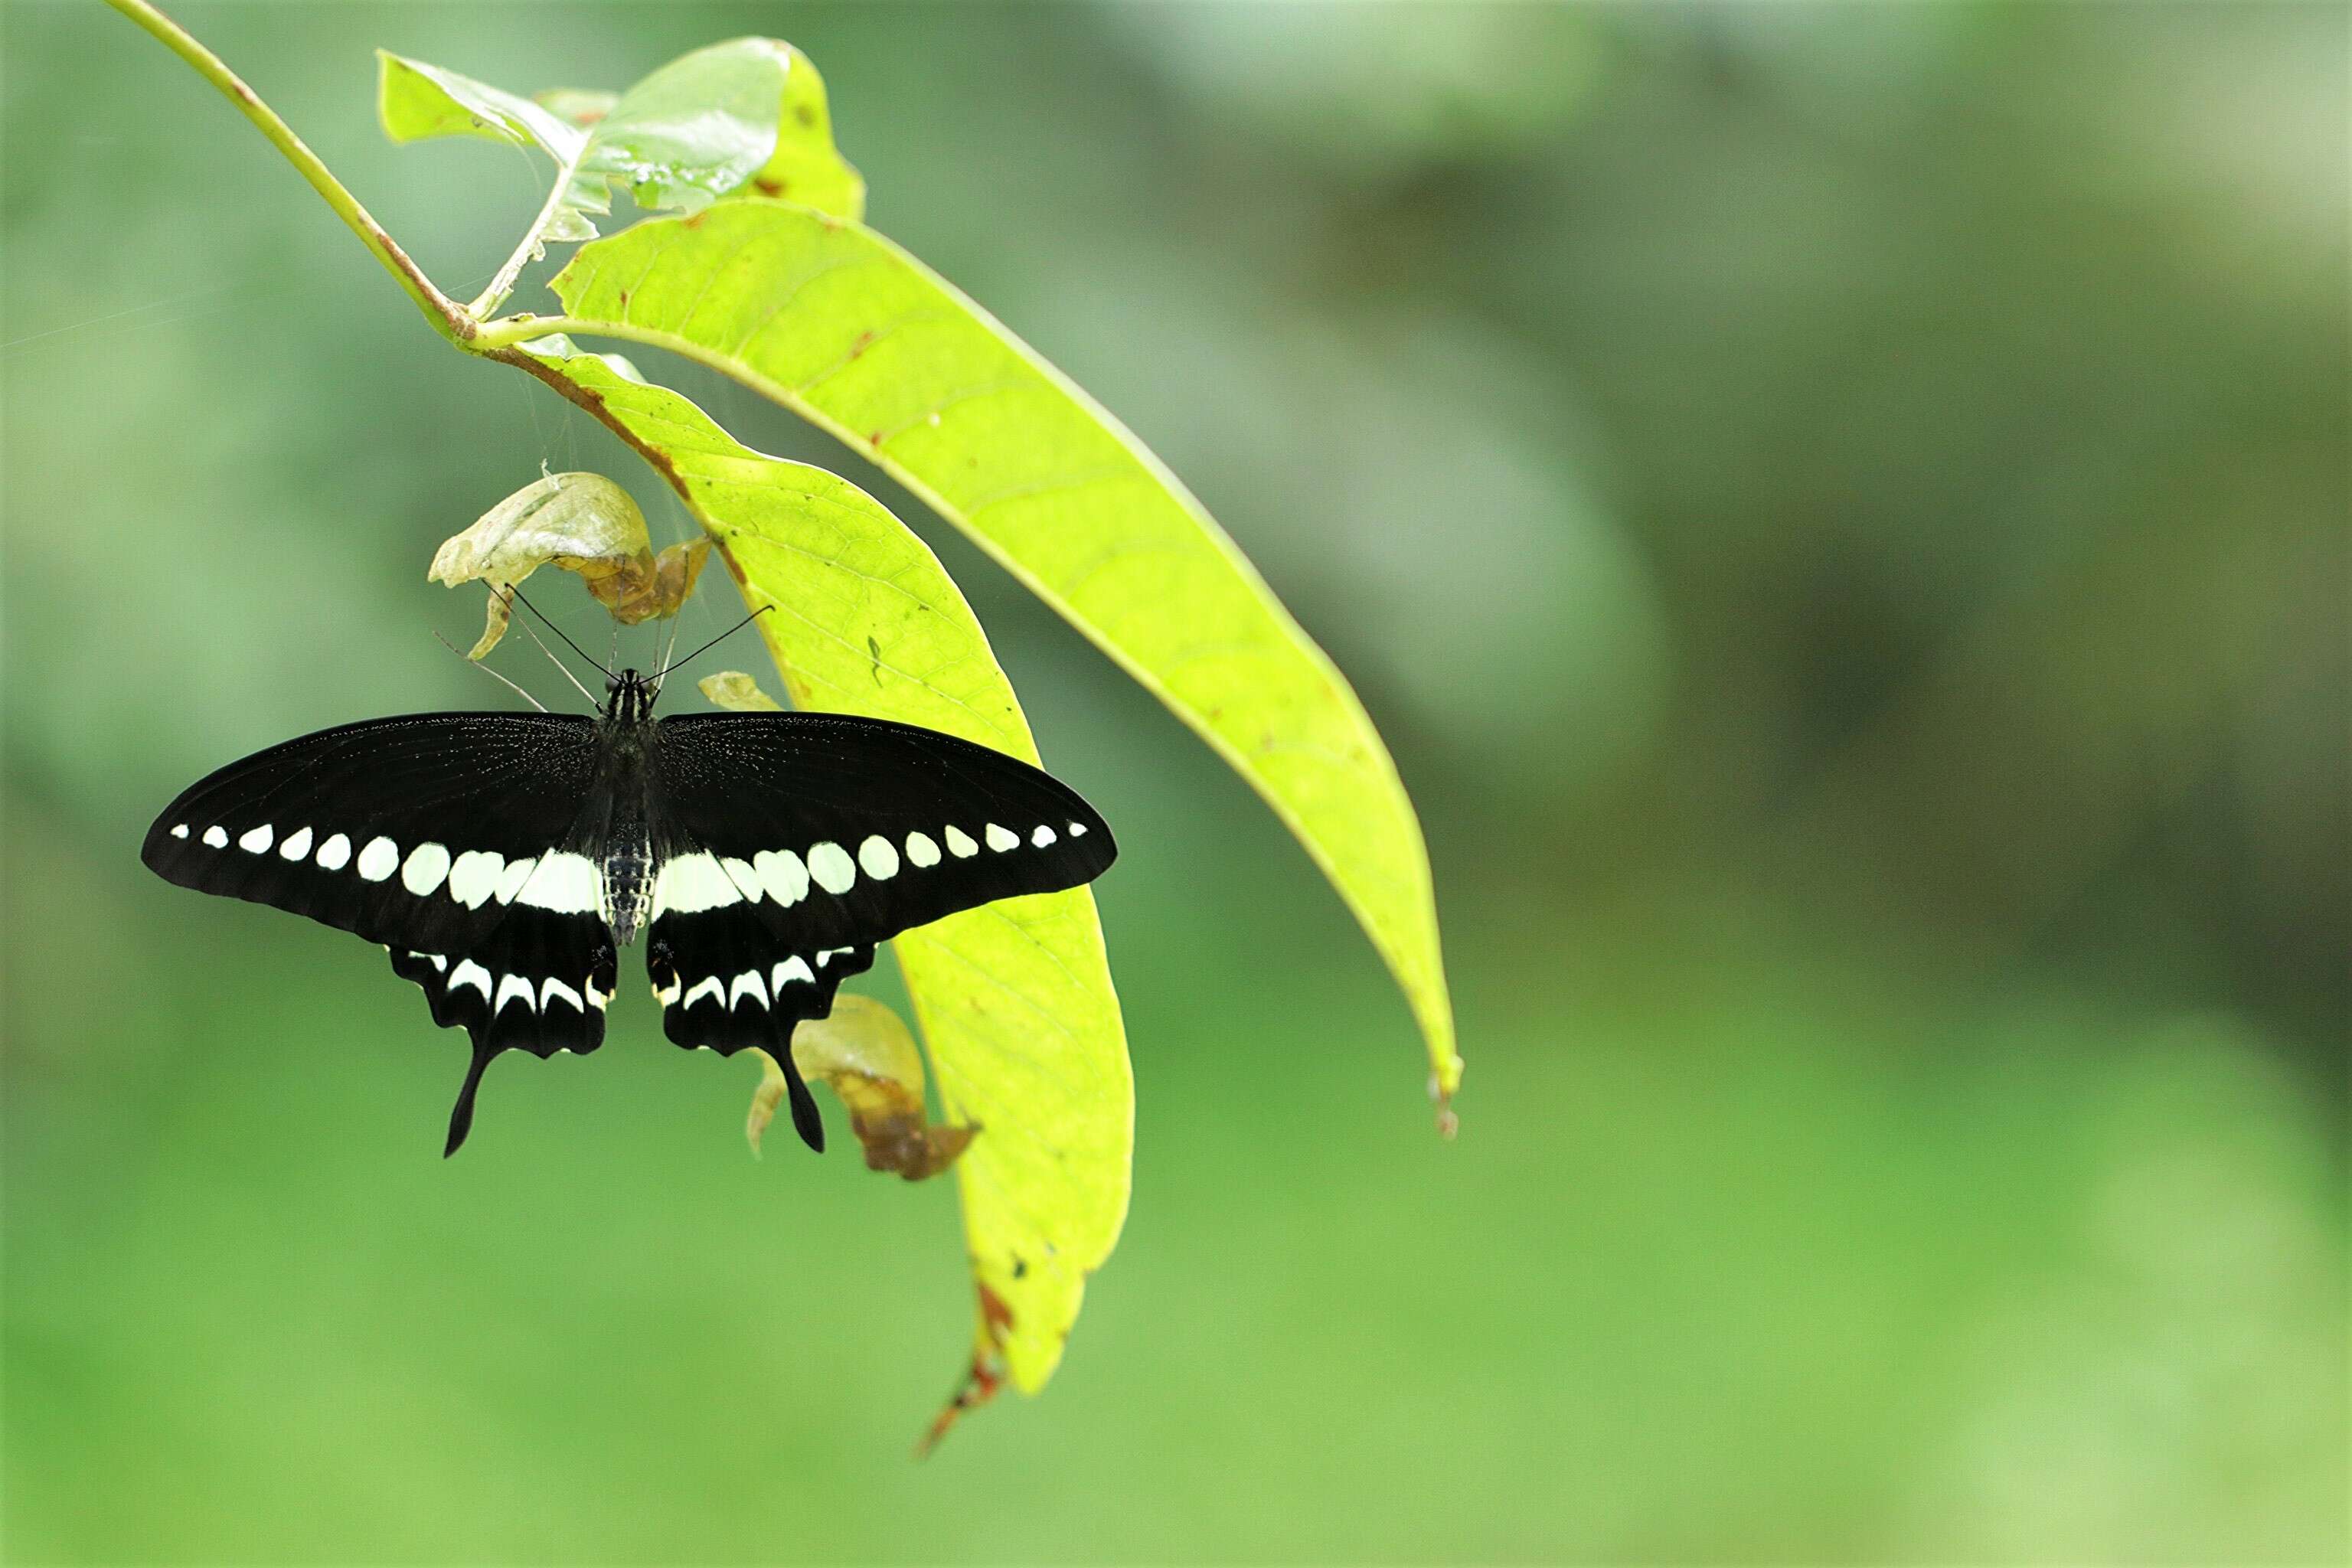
696 221
864 341
768 187
805 113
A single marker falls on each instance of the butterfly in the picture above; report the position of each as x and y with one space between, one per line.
504 858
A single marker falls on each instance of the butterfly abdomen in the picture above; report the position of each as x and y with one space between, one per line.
617 831
628 885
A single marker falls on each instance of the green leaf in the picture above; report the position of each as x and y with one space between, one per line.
746 117
1014 998
834 321
417 103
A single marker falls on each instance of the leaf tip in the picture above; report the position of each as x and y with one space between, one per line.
983 1379
1448 1124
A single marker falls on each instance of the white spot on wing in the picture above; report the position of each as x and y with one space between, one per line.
254 841
1001 839
475 876
781 875
511 879
551 988
829 865
688 884
792 968
708 984
746 881
1077 830
1043 837
469 974
879 856
378 860
335 854
181 831
297 844
747 984
216 837
422 871
922 852
514 987
565 883
959 842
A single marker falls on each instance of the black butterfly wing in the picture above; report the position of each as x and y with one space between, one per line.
789 844
450 839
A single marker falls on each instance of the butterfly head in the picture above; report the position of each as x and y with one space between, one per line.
629 698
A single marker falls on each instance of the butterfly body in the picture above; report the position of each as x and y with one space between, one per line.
503 859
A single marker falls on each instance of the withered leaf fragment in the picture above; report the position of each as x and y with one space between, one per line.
734 689
865 1051
580 522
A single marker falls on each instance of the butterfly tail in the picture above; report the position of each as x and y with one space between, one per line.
461 1115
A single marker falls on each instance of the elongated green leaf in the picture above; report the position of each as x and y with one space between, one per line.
835 322
1014 999
746 117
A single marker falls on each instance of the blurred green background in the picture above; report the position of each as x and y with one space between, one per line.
1842 515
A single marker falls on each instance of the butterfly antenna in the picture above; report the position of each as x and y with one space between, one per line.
676 624
714 642
493 674
515 593
562 666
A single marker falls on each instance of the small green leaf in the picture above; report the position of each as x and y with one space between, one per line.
746 117
418 101
838 323
1014 998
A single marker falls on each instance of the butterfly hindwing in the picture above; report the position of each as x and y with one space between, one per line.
727 978
539 982
441 837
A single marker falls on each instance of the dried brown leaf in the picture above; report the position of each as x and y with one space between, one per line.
579 522
734 688
865 1052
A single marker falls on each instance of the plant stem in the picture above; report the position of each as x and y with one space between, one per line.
449 318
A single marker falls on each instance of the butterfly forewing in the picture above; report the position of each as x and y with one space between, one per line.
848 831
